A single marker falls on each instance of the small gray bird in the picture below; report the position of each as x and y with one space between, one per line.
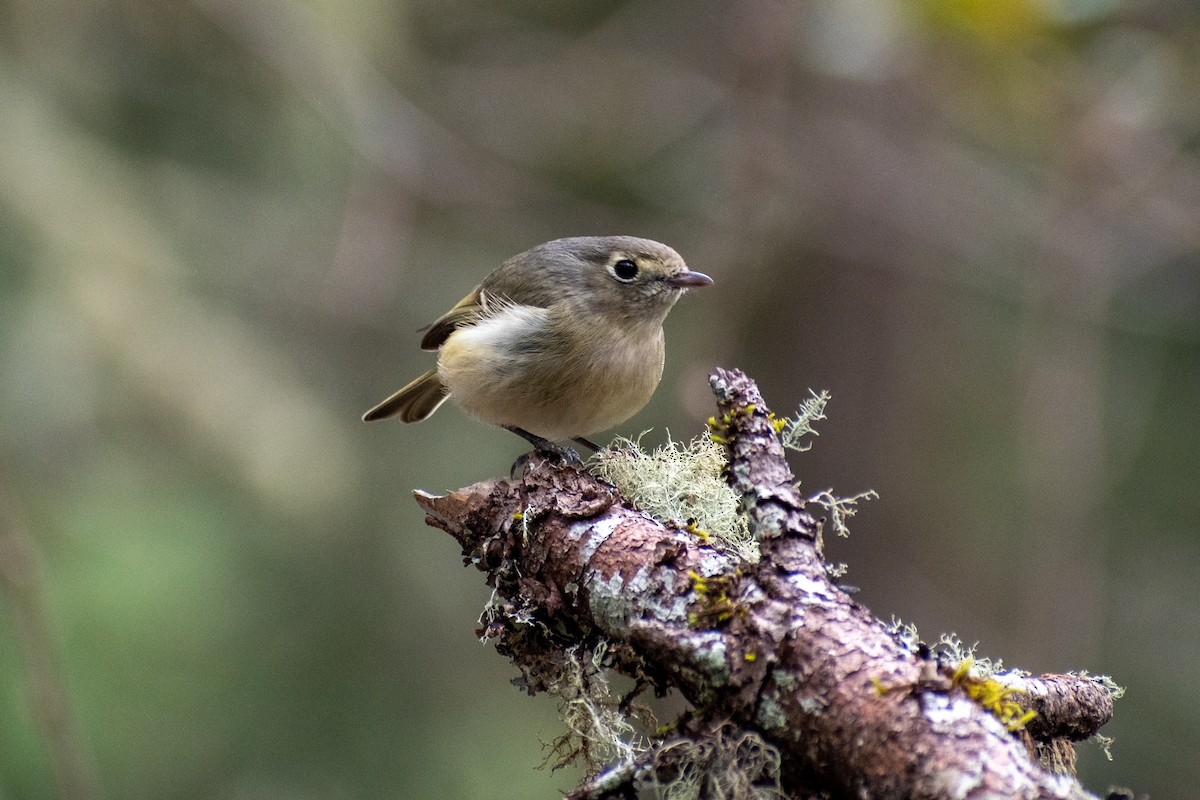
561 341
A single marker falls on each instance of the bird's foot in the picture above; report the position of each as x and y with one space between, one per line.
543 450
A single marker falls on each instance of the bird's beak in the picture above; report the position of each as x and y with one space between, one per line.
688 280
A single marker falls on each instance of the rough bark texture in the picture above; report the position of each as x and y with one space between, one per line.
775 648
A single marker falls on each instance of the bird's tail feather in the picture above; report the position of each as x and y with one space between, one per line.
414 402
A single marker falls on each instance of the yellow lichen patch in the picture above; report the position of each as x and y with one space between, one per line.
778 423
717 428
995 697
716 606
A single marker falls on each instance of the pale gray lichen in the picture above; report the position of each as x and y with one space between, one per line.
1105 744
906 634
796 427
597 729
732 764
596 531
813 705
609 606
954 652
771 715
835 572
681 484
1112 687
710 655
728 764
841 509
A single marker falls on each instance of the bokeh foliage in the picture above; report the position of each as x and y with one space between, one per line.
976 223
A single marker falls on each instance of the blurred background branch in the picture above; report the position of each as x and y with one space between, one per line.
221 224
48 698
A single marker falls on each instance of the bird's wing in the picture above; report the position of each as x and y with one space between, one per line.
506 286
466 311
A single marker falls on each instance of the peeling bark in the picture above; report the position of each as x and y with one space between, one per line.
774 648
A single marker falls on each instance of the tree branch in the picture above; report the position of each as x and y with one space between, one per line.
774 649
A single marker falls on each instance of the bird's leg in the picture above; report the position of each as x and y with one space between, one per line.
543 446
588 443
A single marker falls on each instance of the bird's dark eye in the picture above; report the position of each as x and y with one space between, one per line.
625 270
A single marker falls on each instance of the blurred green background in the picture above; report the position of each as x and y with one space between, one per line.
977 224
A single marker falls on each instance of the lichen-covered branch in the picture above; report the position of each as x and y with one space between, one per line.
774 648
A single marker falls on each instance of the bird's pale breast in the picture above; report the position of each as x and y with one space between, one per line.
550 374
